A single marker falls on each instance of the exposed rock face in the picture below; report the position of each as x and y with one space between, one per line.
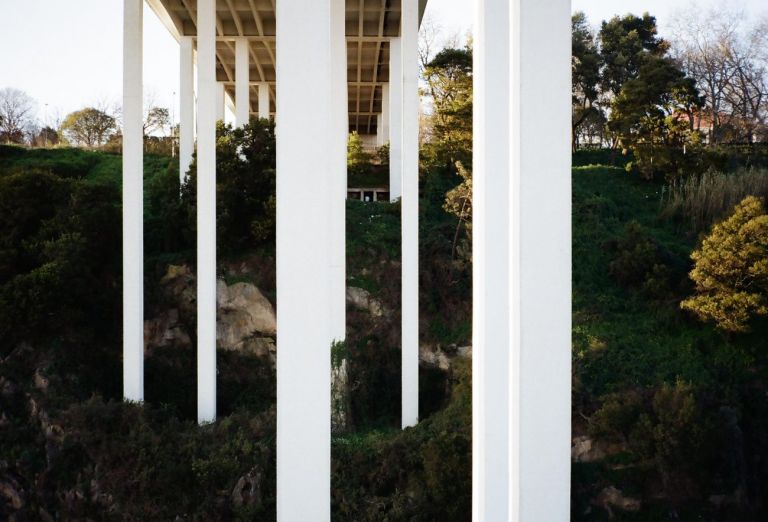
611 497
443 356
363 300
339 397
165 330
243 313
247 491
585 449
246 319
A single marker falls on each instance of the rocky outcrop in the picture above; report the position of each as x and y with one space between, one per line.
244 314
443 357
246 320
586 449
247 490
363 300
166 330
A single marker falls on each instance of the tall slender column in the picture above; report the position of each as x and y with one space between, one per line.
490 264
187 107
395 119
242 82
208 100
540 310
221 101
264 101
379 134
384 114
340 117
305 199
133 206
410 212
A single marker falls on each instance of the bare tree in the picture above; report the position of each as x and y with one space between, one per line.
156 118
16 115
703 43
429 40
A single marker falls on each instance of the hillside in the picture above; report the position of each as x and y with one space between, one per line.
670 416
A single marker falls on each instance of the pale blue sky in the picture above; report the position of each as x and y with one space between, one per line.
69 54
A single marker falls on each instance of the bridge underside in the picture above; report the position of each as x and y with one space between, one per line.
370 25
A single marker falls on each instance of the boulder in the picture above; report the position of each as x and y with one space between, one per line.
246 320
243 313
442 357
363 300
585 449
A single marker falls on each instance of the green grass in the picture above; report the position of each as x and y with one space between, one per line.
621 338
91 166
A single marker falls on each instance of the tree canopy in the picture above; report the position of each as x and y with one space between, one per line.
90 127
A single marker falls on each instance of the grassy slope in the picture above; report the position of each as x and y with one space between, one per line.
625 341
622 340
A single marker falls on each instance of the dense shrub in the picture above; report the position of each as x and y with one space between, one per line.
245 186
731 270
59 243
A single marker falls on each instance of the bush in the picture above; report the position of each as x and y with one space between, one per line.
245 186
731 269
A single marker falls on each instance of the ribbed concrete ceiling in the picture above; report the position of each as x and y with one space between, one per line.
369 26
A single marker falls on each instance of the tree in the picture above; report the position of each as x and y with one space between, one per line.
747 92
625 44
156 120
358 160
731 269
730 66
46 137
585 68
245 186
703 45
449 82
16 115
90 127
652 113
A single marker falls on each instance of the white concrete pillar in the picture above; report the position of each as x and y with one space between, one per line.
384 132
340 117
133 201
186 106
395 119
540 309
242 82
409 40
490 255
208 102
379 135
264 101
221 102
305 200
